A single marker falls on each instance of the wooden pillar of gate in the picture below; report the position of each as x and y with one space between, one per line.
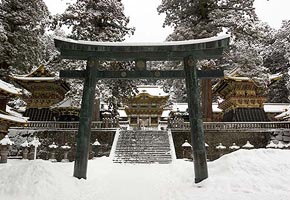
195 117
84 132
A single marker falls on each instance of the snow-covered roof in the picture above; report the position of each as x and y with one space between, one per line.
182 107
276 107
166 43
67 102
22 78
122 113
9 88
13 118
13 113
39 74
165 113
152 90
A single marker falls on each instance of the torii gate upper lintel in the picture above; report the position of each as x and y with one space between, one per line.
187 51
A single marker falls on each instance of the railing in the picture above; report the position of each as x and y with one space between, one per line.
237 126
180 126
67 126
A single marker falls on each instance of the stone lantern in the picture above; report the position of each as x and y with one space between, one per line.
234 147
221 149
187 150
96 147
281 145
25 146
5 145
271 145
248 145
34 143
52 148
66 149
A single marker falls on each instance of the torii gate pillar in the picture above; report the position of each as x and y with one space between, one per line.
86 113
195 118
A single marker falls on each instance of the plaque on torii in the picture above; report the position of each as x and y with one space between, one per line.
187 51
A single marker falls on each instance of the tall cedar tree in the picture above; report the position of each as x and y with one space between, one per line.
194 19
99 20
277 60
22 24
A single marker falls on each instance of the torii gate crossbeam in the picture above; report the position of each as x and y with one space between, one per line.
187 51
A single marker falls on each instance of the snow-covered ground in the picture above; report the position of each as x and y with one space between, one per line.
243 175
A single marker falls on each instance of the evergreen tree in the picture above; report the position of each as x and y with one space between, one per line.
22 24
99 20
194 19
277 60
96 20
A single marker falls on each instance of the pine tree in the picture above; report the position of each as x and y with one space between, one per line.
22 25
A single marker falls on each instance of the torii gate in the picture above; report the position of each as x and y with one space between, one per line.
187 51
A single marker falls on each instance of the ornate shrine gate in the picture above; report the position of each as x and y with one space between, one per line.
186 51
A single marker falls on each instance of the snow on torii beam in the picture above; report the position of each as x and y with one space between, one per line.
175 50
187 51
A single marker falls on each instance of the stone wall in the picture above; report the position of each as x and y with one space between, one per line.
258 139
46 138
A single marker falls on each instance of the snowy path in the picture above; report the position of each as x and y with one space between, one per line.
256 174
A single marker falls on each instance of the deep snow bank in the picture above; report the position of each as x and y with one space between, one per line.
255 174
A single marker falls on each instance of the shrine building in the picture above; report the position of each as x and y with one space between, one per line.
7 116
243 99
146 108
46 90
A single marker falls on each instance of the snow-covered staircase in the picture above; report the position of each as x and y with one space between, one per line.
143 146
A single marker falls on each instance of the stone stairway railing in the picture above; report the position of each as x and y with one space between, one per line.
142 146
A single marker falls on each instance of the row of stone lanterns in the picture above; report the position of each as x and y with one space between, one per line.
6 143
187 148
279 145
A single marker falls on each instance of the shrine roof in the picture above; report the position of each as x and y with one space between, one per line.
67 102
122 113
9 88
40 74
182 107
152 90
276 107
8 117
40 71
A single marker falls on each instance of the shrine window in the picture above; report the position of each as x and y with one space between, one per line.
133 120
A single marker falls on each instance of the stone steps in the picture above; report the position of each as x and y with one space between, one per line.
143 147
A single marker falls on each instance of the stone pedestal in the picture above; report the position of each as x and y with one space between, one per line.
25 153
4 150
